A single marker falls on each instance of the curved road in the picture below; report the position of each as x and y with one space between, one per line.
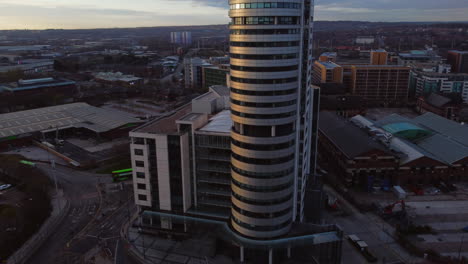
70 242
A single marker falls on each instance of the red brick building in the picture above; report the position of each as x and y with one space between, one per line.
394 150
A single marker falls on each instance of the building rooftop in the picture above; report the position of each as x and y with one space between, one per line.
166 124
116 76
352 140
23 85
221 90
79 115
447 141
27 67
446 127
437 100
329 65
459 51
406 130
220 123
419 54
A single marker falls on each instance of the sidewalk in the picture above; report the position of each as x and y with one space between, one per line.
60 207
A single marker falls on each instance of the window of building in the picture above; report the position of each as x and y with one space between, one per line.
138 152
142 197
139 163
140 175
141 186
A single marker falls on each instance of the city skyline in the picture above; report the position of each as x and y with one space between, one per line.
45 14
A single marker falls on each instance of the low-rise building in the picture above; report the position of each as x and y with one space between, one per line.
445 105
36 93
118 78
327 71
423 81
19 128
418 56
394 150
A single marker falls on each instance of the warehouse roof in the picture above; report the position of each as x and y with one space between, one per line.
352 140
406 130
24 85
63 116
448 141
448 128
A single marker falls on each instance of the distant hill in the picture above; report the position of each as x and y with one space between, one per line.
208 30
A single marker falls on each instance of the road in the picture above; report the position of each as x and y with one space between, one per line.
72 240
370 228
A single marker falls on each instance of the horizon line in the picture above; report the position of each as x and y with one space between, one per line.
205 25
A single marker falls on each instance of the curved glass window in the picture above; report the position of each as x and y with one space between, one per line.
258 116
263 161
264 189
263 147
265 57
260 175
277 31
265 20
260 215
262 202
262 228
264 69
263 93
265 5
265 44
263 105
263 81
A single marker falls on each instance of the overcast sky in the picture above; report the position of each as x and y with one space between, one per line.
40 14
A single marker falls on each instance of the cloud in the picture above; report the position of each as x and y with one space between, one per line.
38 14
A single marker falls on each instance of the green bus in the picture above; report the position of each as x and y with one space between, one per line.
25 162
122 175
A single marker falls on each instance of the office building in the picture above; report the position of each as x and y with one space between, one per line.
193 68
271 102
181 38
169 158
423 82
458 60
381 83
215 75
326 72
182 171
365 40
418 56
272 127
378 57
328 56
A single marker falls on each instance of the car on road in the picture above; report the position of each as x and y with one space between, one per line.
363 248
5 187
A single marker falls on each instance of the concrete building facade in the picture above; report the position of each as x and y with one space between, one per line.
381 83
271 105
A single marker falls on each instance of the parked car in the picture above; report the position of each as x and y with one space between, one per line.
5 187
